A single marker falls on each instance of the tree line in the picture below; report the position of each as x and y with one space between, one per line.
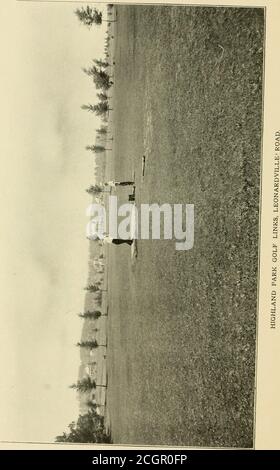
98 71
89 427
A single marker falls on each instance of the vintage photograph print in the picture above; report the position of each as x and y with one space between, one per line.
137 192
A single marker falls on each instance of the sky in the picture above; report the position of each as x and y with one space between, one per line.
43 249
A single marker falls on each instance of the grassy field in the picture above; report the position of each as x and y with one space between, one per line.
182 325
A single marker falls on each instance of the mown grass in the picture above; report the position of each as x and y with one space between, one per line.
182 326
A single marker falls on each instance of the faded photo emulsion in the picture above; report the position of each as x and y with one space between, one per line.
133 279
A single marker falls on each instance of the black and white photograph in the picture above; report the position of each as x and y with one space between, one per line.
131 202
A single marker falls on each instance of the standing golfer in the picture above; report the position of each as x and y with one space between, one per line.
116 241
106 239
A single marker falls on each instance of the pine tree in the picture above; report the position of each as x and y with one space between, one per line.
89 16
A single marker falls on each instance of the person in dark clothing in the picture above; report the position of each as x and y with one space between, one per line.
119 241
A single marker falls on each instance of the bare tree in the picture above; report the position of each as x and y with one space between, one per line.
94 315
90 344
102 130
96 148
